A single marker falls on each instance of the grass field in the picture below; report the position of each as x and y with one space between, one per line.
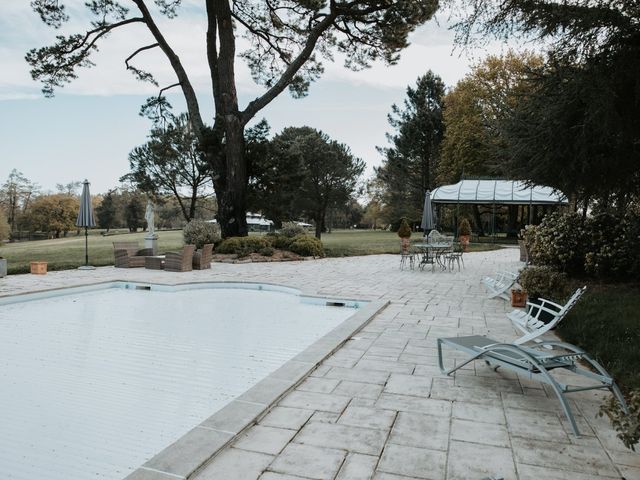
66 253
605 324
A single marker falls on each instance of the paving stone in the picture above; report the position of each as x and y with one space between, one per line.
189 452
358 389
479 413
471 460
315 401
264 439
324 417
234 463
357 467
309 461
423 431
358 375
280 476
413 462
320 385
391 476
142 474
285 417
367 417
593 461
385 366
406 403
408 385
345 437
540 426
478 432
532 472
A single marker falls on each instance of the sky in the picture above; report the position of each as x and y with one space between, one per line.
88 129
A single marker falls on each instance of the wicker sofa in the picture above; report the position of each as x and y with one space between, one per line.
180 261
202 258
129 254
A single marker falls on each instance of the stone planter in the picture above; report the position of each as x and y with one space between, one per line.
464 241
3 267
38 268
518 298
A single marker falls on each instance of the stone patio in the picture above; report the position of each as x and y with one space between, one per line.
378 408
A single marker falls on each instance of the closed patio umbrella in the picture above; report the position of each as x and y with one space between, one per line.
85 219
428 219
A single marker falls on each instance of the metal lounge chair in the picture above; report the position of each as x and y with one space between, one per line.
499 286
535 365
529 323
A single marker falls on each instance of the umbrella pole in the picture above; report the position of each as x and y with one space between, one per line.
86 246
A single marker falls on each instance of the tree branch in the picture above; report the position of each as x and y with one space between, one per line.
174 60
285 79
141 74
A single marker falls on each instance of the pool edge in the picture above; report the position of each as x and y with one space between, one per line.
194 450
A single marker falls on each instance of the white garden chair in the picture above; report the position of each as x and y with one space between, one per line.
499 286
529 323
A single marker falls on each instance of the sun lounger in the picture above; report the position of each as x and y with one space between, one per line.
535 364
499 286
529 321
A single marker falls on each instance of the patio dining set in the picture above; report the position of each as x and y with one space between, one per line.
436 250
130 255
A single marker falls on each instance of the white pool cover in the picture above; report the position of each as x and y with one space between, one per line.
94 384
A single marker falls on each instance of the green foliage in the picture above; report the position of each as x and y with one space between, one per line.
404 230
55 213
106 211
408 167
603 245
464 227
243 246
544 282
279 241
199 233
304 173
473 143
267 251
559 242
605 323
292 229
626 424
170 163
134 211
307 246
5 229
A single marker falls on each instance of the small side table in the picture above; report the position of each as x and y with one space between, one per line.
154 262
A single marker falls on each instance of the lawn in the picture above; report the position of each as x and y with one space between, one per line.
605 323
66 253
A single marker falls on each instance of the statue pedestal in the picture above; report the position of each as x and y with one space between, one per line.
151 241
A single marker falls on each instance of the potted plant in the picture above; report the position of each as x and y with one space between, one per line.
543 282
518 297
404 232
464 233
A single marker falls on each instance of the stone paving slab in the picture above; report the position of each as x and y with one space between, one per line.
378 407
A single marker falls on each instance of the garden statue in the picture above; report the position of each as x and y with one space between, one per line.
149 215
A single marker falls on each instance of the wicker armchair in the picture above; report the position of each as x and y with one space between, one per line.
180 261
202 258
129 254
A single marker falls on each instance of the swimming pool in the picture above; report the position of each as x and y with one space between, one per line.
95 381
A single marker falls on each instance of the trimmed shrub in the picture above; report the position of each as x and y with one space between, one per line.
279 241
558 242
267 251
404 231
243 246
544 282
199 232
292 229
464 227
307 246
603 245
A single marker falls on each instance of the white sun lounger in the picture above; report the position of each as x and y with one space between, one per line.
529 323
499 286
536 365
